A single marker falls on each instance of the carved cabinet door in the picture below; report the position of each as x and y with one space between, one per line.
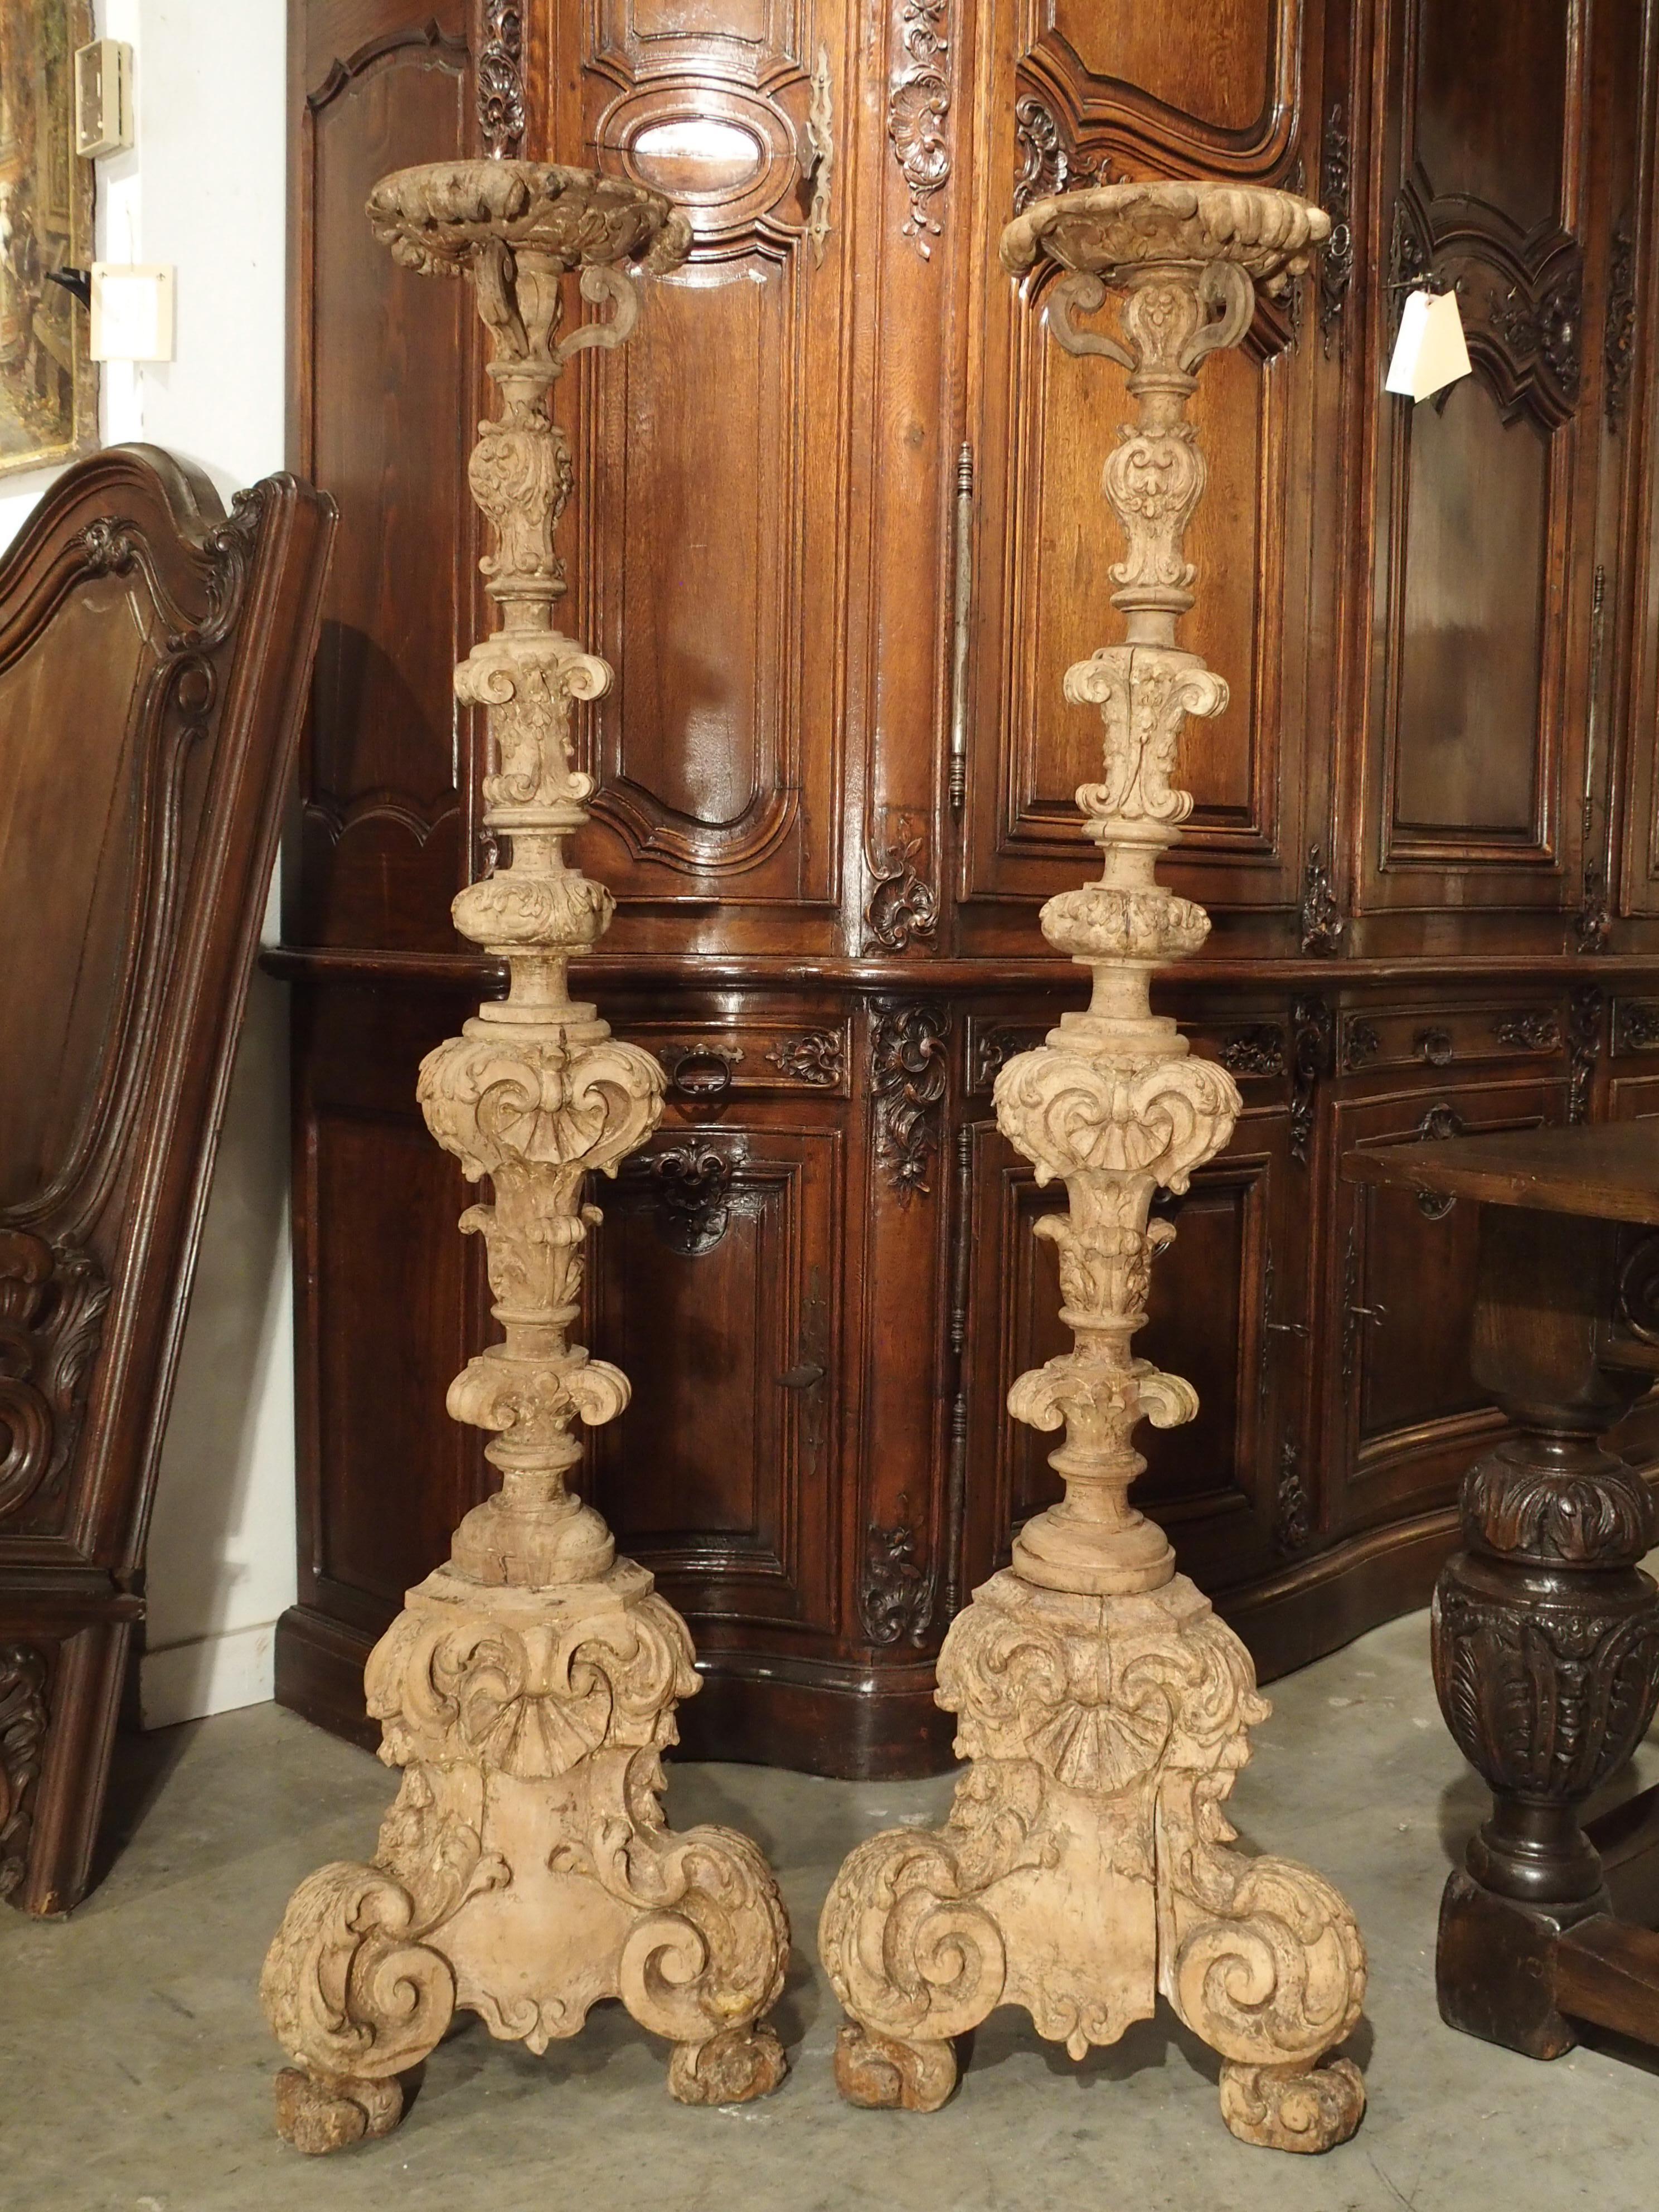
714 1290
1482 507
1403 1417
712 458
384 374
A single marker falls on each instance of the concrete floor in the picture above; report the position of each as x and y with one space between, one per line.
135 2069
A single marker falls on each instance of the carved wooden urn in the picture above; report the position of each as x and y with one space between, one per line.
1085 1870
528 1688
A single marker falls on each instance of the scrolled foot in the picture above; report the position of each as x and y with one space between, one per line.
1291 2108
319 2116
730 2068
885 2073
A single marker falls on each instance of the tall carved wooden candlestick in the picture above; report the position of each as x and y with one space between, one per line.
1085 1865
529 1687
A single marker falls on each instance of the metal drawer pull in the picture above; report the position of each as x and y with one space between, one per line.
702 1071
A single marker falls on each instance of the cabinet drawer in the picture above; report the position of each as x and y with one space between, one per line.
1441 1036
705 1061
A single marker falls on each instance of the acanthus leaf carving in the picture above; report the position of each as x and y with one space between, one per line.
904 906
1048 162
1362 1041
1532 1032
1639 1024
918 102
501 77
1618 338
815 1056
1547 1701
1257 1050
693 1186
896 1599
52 1302
907 1090
22 1749
1322 920
1292 1513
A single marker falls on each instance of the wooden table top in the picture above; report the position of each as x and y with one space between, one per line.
1605 1174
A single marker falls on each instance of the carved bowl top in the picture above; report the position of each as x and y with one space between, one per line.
435 218
1112 230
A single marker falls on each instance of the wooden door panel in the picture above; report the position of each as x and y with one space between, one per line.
709 1286
382 415
1469 758
381 1209
390 1302
1403 1415
73 843
1486 494
710 452
1203 84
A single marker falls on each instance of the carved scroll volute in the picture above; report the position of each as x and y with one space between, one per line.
1114 1103
535 1094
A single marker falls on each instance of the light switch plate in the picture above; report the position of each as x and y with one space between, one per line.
131 311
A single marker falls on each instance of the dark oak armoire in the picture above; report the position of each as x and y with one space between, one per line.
832 526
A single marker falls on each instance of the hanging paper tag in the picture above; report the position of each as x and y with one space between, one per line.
1429 353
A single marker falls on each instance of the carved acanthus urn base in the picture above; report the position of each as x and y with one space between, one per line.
1085 1871
524 1870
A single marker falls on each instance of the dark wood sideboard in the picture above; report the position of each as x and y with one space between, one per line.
831 525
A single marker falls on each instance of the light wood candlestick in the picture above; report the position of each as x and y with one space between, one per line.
529 1687
1085 1868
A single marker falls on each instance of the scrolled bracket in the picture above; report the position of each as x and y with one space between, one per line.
1084 295
600 283
1226 290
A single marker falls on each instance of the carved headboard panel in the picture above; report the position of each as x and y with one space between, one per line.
154 660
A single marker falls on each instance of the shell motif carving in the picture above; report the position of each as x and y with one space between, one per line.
1072 1115
453 1682
492 1101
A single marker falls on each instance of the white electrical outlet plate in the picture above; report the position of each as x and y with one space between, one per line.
131 311
103 98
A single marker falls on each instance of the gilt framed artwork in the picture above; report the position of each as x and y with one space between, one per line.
48 383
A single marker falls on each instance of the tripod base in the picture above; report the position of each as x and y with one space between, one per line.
1084 1870
526 1870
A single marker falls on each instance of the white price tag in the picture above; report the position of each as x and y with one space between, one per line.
1429 353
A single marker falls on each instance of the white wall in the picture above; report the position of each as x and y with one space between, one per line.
203 188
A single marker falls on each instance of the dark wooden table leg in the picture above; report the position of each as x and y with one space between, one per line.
1546 1631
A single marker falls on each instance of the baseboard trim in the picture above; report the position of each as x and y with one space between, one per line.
207 1674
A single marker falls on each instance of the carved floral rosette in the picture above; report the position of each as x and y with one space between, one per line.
529 1687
